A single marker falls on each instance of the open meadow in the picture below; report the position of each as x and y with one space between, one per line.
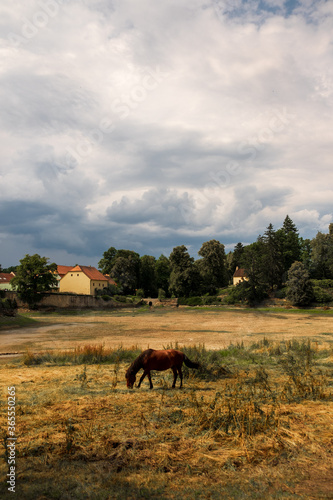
253 422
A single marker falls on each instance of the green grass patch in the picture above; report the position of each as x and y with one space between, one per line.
319 312
17 321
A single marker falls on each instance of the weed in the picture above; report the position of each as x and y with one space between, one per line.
83 378
114 381
70 435
30 358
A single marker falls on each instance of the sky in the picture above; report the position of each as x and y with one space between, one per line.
145 125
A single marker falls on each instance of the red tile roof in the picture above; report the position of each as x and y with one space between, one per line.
239 273
62 270
6 277
91 272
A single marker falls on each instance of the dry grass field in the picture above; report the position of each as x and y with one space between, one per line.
255 422
216 328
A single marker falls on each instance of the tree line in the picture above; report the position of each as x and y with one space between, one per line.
277 257
266 261
178 275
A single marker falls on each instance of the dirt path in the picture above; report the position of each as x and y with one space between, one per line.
215 329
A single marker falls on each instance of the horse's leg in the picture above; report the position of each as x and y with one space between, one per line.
174 376
180 376
149 377
142 377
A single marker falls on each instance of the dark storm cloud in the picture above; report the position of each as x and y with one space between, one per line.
147 125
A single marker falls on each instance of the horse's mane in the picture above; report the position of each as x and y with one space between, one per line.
137 363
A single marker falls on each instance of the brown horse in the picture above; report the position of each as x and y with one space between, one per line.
158 360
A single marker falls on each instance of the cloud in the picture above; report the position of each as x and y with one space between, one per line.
144 126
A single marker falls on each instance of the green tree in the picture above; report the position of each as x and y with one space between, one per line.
272 259
237 257
148 276
34 276
212 266
184 277
322 256
253 260
162 271
290 243
11 269
306 254
123 266
300 290
125 270
108 260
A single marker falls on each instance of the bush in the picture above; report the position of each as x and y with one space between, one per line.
321 296
190 301
120 298
161 294
233 296
246 292
8 307
323 283
106 298
140 293
211 299
282 293
109 290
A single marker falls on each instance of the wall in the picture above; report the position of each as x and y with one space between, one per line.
75 282
64 301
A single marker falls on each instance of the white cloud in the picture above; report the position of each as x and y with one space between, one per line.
152 120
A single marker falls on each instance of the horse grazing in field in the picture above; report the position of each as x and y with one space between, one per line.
160 361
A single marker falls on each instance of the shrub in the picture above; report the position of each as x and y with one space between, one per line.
321 296
190 301
300 290
8 307
120 298
106 298
282 293
323 283
211 299
246 292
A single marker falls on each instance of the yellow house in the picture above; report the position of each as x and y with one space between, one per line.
83 280
239 275
60 273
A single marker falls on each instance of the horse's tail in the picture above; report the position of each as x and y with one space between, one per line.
189 363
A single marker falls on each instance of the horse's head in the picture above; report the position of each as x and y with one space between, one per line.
130 380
